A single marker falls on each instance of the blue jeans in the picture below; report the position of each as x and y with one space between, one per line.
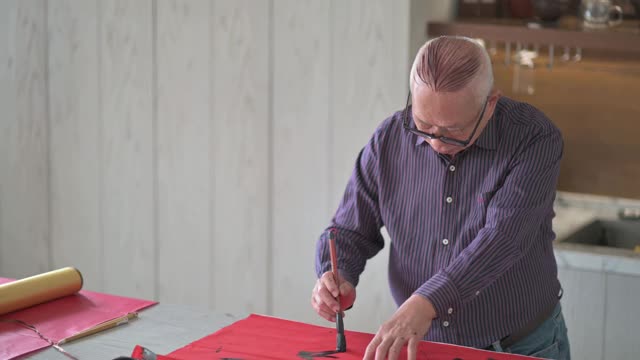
548 341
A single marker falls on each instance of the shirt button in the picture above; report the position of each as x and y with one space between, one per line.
449 199
452 168
477 293
450 311
445 241
445 323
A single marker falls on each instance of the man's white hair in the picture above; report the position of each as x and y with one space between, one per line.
449 63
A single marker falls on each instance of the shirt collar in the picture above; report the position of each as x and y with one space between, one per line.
489 137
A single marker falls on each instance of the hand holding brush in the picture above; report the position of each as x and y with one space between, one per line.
332 294
341 341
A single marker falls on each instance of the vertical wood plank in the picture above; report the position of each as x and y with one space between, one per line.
184 241
622 324
583 308
7 103
300 151
24 222
127 159
75 143
422 12
239 150
368 77
369 47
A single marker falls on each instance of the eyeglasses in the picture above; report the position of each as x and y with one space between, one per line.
444 139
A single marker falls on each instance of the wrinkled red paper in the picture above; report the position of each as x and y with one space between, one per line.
263 337
60 319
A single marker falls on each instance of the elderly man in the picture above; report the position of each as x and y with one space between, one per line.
464 181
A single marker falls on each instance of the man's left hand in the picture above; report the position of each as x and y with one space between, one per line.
409 324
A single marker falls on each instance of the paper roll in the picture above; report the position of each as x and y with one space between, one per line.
38 289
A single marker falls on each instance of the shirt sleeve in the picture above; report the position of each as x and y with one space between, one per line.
357 220
514 217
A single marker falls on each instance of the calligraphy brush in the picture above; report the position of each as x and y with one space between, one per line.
341 341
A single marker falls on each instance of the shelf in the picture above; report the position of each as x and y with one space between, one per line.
624 38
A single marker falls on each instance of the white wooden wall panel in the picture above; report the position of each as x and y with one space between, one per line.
24 248
183 130
364 90
127 154
301 151
240 154
583 305
622 317
195 149
368 76
75 143
422 12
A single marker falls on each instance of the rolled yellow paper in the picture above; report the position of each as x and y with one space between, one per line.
37 289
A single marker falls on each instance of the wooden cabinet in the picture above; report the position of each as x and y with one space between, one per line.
622 317
601 312
569 32
583 305
586 82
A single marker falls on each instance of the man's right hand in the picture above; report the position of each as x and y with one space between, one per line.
325 293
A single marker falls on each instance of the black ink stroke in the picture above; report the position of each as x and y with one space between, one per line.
310 355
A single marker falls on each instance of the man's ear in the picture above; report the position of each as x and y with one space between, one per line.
495 95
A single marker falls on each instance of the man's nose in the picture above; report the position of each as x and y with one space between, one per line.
438 131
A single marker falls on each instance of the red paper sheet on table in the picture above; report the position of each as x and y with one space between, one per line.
263 337
60 319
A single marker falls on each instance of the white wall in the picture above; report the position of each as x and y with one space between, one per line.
24 147
423 11
192 151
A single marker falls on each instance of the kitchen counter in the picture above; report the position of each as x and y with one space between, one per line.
601 284
574 211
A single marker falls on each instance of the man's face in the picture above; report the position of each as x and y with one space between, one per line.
453 115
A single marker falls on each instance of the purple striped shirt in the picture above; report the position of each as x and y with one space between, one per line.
472 234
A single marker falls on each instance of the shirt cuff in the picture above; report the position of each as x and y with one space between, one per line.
350 278
346 275
442 293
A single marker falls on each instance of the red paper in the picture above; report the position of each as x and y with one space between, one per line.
141 353
60 319
262 337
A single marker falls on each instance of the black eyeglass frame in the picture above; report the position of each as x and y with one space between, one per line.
444 139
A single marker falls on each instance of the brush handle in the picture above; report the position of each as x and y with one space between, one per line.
334 262
341 341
